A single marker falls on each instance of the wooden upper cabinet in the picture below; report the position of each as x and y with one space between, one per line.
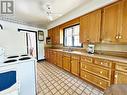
54 33
84 28
90 27
123 31
50 33
111 23
94 26
57 35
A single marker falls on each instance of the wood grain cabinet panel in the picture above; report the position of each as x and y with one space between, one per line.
59 59
90 27
111 23
86 59
94 26
47 54
50 34
95 80
120 77
54 57
50 56
54 34
123 31
66 62
75 64
97 70
84 28
120 73
103 62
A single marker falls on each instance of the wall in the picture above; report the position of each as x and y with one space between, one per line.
13 41
109 47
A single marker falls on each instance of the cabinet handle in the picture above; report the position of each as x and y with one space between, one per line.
120 37
115 76
101 63
100 83
101 72
117 37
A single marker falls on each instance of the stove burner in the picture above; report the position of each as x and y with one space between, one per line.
24 55
25 58
9 61
13 56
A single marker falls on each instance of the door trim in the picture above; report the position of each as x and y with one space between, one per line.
27 31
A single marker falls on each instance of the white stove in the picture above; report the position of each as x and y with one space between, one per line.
2 55
25 67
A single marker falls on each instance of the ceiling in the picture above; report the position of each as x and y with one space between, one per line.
34 12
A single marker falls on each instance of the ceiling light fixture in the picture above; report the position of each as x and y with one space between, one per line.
49 13
49 16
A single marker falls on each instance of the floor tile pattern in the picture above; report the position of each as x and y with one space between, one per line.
55 81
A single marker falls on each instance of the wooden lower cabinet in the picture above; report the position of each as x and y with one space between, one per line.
54 57
66 63
47 54
95 80
100 72
97 70
75 67
120 73
120 77
59 59
50 56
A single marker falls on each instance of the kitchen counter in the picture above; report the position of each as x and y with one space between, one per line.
101 56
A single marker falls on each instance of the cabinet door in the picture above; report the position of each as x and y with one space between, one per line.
54 57
84 28
94 26
120 77
59 59
111 18
53 36
66 63
123 34
56 35
46 54
75 67
50 34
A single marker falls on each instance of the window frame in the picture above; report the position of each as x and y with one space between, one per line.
72 37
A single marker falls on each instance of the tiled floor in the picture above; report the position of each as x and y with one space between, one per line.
55 81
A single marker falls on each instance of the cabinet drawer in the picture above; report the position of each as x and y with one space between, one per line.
121 67
75 57
95 80
103 62
97 70
66 54
86 59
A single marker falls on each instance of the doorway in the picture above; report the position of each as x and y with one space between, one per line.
32 49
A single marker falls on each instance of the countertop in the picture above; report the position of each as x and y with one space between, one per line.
101 56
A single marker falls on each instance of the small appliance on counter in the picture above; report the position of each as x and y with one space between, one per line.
48 40
90 49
